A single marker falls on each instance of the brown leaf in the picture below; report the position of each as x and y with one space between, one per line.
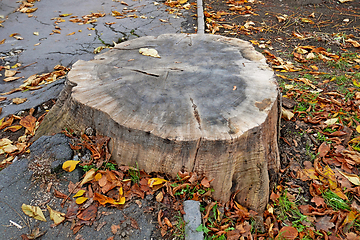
134 223
319 201
19 100
59 194
323 223
352 236
159 197
115 228
167 222
88 213
323 149
10 79
29 122
205 182
287 232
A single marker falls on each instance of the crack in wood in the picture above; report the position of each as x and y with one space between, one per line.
196 113
196 153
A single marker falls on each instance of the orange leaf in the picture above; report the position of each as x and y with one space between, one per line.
13 128
28 122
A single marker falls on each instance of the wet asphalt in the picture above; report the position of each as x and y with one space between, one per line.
44 39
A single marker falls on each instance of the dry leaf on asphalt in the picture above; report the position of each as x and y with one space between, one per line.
70 165
149 52
34 212
56 216
19 100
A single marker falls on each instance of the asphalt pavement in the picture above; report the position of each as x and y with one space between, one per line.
62 32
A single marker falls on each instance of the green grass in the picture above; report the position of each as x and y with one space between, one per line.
179 227
288 211
134 173
334 201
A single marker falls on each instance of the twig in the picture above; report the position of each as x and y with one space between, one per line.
26 65
71 192
26 222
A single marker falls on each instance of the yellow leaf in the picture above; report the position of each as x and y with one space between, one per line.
350 217
88 176
81 200
122 201
306 20
358 128
149 52
121 192
98 176
155 181
56 216
182 1
65 15
13 128
338 192
34 212
70 165
356 83
79 193
353 178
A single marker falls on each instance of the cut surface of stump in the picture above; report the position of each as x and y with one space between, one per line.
209 104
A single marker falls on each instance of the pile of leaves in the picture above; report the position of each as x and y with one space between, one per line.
106 184
25 126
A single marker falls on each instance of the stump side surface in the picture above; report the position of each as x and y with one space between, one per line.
181 111
200 87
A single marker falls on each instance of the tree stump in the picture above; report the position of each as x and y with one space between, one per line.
209 104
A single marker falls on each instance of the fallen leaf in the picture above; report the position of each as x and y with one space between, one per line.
323 149
351 235
331 121
10 79
34 212
353 178
353 42
115 228
124 3
56 216
323 223
319 201
81 200
286 114
10 73
70 165
2 41
156 181
149 52
89 176
159 197
29 122
13 128
79 193
288 233
19 100
344 1
88 214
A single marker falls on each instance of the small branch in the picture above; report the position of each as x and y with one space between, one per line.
26 66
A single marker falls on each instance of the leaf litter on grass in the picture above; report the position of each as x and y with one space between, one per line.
314 51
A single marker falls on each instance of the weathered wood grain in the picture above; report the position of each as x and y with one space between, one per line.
209 104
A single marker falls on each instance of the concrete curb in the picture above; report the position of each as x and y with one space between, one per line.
192 218
200 17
